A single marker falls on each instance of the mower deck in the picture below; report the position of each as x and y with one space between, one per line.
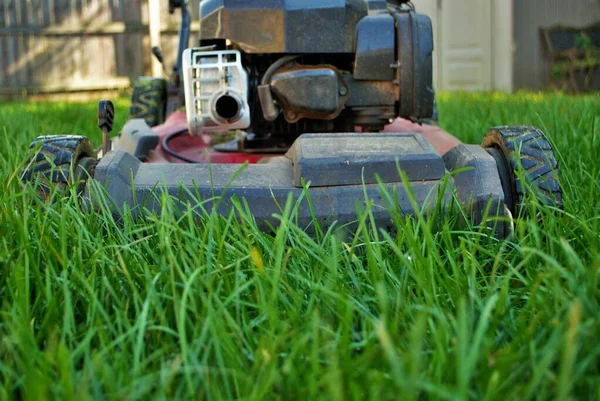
341 170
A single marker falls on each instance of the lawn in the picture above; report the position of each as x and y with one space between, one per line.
168 308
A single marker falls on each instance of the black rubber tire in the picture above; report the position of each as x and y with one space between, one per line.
61 161
526 150
149 100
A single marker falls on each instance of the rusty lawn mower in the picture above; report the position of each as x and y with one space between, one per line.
304 88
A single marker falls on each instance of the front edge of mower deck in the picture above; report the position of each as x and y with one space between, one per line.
341 170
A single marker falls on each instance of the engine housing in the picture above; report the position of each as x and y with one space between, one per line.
311 66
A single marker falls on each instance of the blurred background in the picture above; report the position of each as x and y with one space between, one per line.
50 47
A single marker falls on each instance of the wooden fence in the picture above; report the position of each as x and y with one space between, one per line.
49 46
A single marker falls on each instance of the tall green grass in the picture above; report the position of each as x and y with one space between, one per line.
169 308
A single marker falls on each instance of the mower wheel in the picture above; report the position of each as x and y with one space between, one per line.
526 164
62 161
149 100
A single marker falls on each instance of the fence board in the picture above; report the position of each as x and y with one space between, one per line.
118 14
26 41
10 41
2 53
53 45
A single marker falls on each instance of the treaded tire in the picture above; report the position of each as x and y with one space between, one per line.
527 154
149 100
62 161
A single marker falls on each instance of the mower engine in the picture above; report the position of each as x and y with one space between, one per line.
283 68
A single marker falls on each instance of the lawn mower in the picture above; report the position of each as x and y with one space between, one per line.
288 97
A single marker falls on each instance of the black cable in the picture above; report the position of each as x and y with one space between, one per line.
267 103
275 66
167 149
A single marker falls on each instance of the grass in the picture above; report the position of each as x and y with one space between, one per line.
91 308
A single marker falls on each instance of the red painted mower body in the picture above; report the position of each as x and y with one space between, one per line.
197 148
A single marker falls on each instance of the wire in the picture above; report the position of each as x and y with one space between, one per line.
275 66
167 149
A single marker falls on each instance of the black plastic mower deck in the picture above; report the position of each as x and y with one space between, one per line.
342 170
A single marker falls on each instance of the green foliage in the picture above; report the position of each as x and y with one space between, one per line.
584 42
172 308
560 69
588 57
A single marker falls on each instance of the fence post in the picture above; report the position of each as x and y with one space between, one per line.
154 31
